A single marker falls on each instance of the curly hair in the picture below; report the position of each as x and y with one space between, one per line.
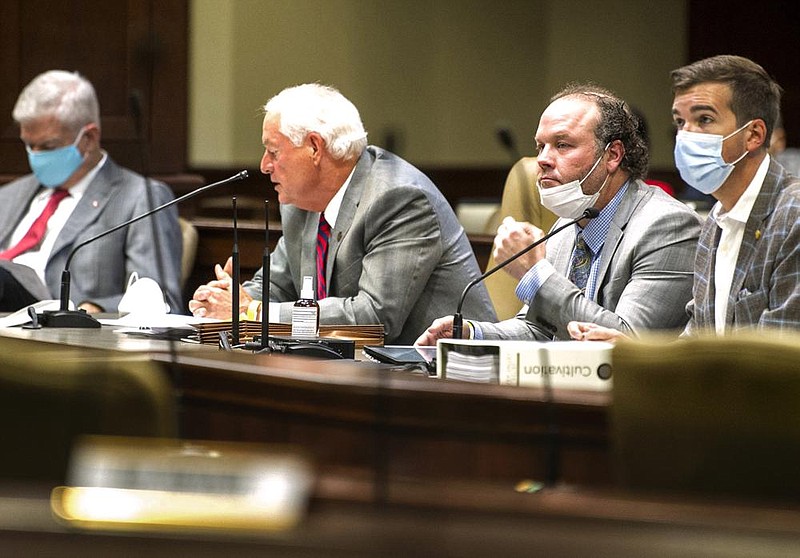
617 122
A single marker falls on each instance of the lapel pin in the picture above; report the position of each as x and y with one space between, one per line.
95 203
758 234
339 236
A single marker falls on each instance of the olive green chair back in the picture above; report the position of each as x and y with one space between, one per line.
709 415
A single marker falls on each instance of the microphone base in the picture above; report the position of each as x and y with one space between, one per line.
68 318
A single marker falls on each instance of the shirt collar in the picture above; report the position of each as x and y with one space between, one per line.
744 205
595 231
332 210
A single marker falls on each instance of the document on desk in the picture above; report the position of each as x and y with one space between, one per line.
161 326
140 321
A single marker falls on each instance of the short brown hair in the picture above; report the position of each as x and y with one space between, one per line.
754 94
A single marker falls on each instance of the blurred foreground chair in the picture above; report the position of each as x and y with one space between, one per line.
709 415
52 394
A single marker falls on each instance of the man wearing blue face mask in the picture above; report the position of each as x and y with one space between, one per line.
747 272
629 268
75 192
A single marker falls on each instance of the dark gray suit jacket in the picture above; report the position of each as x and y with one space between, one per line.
100 270
644 280
397 256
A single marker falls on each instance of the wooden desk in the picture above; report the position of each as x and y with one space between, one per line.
367 416
358 414
435 519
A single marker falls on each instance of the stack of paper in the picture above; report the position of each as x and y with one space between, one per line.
472 368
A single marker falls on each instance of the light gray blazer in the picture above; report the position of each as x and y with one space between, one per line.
100 270
397 255
644 278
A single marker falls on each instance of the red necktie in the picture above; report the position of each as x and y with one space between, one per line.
323 234
35 234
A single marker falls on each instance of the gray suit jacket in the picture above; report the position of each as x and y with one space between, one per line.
765 291
100 270
397 255
644 279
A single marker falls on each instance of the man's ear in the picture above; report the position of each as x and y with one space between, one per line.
616 152
756 135
91 133
317 145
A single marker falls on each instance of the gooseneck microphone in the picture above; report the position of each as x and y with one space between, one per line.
458 319
64 317
506 139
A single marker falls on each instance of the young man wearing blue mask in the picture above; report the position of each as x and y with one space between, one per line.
633 269
75 192
747 272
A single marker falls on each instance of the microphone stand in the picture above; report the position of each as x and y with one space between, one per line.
64 317
265 262
263 346
235 280
458 319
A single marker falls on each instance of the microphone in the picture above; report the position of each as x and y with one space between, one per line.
506 138
63 317
458 319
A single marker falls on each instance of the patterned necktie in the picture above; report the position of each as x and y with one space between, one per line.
35 234
323 235
581 263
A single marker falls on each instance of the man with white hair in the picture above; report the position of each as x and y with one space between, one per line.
76 192
382 242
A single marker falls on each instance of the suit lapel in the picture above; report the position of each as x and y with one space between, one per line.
632 198
762 209
90 206
347 211
12 212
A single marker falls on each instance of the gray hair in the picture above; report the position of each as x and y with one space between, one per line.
312 107
66 95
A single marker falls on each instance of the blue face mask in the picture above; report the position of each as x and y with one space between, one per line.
54 166
699 159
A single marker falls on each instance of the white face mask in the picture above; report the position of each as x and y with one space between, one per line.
699 159
568 200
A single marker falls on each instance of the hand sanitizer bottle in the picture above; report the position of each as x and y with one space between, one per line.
305 314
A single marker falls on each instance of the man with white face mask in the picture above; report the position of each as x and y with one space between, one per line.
76 192
747 272
630 268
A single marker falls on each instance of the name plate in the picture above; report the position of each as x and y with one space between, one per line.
157 484
583 365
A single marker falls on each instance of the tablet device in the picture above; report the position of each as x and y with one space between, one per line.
400 354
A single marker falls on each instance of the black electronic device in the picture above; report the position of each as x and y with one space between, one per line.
319 347
400 354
